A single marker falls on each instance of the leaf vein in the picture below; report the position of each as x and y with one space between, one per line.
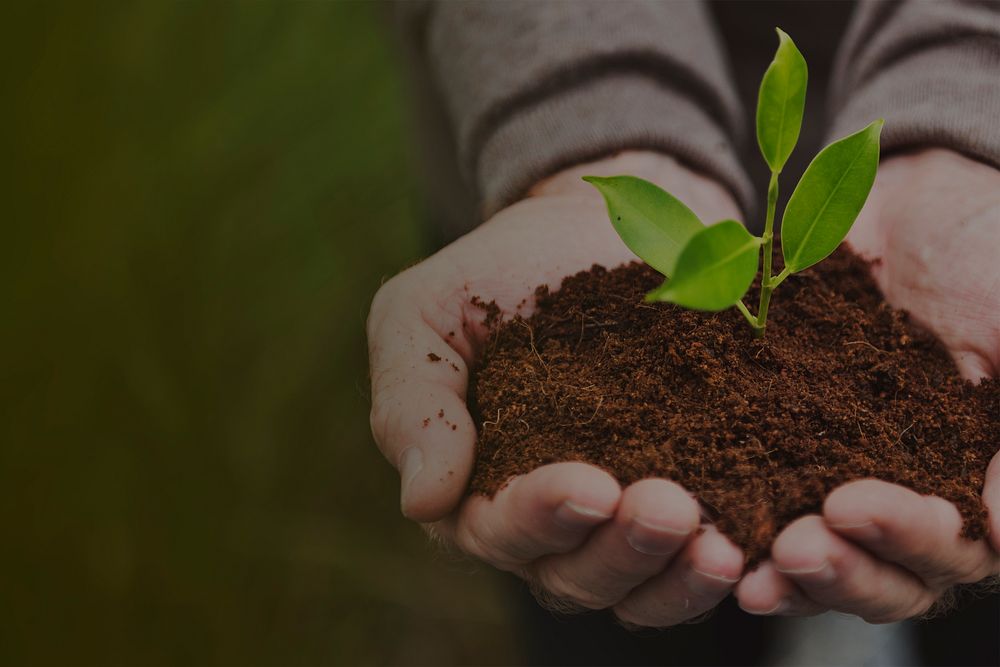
805 239
728 258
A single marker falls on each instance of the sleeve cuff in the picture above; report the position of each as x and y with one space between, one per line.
607 115
946 96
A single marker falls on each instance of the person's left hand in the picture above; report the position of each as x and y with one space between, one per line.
881 551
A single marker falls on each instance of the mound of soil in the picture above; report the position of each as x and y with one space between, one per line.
842 387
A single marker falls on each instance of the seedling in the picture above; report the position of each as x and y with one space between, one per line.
712 267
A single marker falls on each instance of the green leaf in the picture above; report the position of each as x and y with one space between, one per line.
829 197
654 224
714 269
780 103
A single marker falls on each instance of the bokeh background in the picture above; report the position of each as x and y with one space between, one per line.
200 201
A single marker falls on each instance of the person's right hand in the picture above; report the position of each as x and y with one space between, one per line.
567 527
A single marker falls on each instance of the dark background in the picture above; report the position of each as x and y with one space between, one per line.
200 200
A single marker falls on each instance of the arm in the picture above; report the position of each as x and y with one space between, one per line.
930 69
530 88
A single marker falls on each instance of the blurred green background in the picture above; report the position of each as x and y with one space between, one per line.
201 201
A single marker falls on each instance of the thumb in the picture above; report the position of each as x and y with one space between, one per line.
973 366
419 417
991 498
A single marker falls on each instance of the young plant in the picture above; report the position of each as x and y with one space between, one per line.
712 267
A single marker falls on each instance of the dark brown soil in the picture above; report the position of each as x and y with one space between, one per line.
843 387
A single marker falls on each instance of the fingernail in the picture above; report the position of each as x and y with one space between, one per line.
572 515
705 583
866 531
411 462
654 539
780 608
824 574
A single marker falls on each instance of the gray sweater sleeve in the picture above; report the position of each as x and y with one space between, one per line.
532 87
931 69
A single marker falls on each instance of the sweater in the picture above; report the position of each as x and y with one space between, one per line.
507 93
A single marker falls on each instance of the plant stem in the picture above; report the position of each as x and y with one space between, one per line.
746 313
767 282
780 278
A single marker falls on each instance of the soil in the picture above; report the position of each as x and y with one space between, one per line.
842 387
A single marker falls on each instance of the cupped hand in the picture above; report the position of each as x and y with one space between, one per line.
880 551
932 227
567 527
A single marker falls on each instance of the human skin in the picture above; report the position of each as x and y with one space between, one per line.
880 551
569 527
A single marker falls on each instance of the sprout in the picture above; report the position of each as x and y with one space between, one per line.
712 267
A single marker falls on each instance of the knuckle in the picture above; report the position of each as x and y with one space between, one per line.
897 613
978 562
704 592
883 617
615 570
383 299
627 570
662 615
380 419
881 611
473 542
469 542
629 616
564 587
893 612
876 601
922 606
962 573
940 515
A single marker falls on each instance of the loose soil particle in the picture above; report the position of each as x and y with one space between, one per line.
843 387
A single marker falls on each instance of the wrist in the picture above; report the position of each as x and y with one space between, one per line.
710 200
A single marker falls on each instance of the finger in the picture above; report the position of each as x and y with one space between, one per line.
921 533
654 520
694 583
550 510
419 417
991 498
767 592
834 572
973 366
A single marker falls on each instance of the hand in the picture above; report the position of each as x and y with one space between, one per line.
567 527
881 551
932 225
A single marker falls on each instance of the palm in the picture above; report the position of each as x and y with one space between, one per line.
933 226
536 242
563 230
